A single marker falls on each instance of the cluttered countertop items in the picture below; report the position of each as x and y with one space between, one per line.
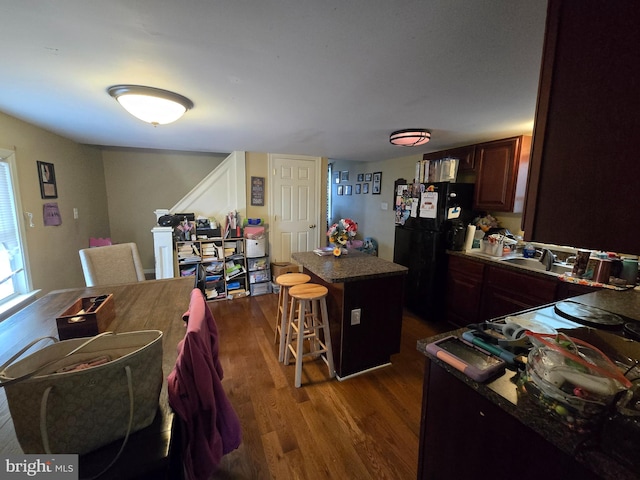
569 371
586 267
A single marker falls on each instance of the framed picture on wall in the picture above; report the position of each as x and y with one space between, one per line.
47 177
367 177
347 189
336 177
344 176
377 183
361 177
340 191
358 187
365 188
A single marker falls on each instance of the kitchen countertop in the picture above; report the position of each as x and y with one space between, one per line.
350 267
502 392
491 260
500 261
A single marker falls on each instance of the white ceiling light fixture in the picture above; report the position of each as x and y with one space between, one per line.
151 105
410 137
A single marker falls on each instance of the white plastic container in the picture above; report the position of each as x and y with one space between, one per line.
256 247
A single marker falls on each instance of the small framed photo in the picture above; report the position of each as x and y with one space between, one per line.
347 189
47 177
340 189
361 177
367 177
365 188
377 183
344 176
336 177
358 187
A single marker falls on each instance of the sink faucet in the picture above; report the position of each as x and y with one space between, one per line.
547 257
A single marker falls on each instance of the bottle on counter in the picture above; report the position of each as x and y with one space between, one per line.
529 251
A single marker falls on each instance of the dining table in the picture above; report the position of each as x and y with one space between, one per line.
152 452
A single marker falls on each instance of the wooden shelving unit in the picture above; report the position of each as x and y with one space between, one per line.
223 260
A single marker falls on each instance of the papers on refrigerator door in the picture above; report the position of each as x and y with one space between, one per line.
453 212
428 204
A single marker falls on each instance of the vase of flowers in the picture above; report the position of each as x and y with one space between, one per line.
340 234
485 223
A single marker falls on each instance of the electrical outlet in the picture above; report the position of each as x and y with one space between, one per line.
355 316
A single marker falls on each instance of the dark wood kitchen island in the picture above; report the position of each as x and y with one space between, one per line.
359 281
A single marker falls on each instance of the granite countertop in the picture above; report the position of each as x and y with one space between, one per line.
350 267
499 261
491 260
502 392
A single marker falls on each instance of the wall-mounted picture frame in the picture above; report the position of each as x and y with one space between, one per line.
361 177
358 187
367 177
340 191
365 188
344 176
347 189
336 177
377 183
257 191
47 177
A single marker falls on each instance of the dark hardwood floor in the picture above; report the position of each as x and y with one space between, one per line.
363 427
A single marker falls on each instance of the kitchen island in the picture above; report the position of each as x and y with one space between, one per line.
364 305
469 427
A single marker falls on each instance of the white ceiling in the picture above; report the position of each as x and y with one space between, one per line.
319 77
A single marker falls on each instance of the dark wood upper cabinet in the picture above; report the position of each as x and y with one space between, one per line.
465 154
584 180
502 174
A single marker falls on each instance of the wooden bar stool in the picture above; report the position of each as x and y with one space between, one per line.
307 317
285 281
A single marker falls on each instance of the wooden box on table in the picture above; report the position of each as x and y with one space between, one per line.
88 316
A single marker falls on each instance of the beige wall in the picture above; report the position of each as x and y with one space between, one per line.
53 251
367 209
116 191
139 181
257 165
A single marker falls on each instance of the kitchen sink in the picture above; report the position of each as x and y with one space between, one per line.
535 264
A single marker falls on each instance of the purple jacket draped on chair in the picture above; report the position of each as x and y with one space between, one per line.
209 423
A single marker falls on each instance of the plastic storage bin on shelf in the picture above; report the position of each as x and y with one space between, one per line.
260 288
256 247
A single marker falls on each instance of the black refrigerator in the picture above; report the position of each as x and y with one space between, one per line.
442 213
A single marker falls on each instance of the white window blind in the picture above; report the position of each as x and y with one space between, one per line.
12 273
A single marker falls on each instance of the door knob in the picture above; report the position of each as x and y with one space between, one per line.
312 226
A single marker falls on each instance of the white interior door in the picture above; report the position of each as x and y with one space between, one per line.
294 205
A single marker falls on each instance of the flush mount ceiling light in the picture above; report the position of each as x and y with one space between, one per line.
410 137
151 105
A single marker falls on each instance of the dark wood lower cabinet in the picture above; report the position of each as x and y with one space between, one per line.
463 435
506 291
464 291
477 292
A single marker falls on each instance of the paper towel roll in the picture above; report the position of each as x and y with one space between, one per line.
468 239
